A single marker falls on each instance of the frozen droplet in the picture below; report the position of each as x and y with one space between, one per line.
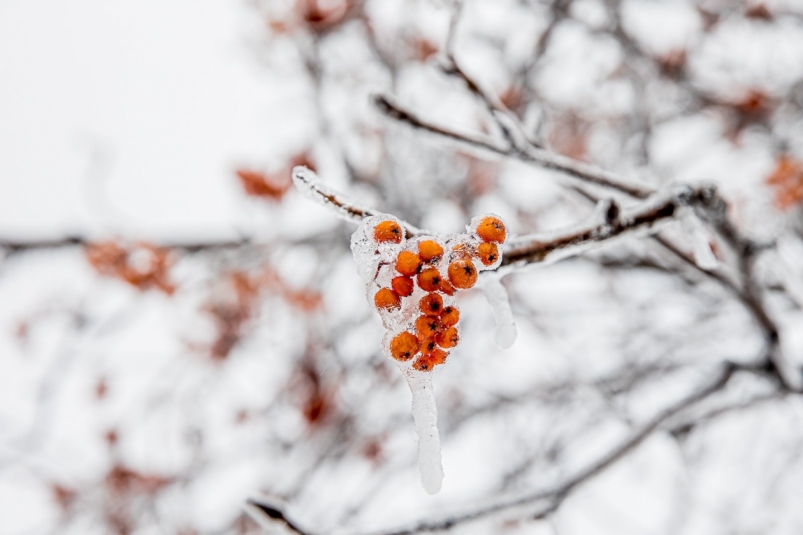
425 415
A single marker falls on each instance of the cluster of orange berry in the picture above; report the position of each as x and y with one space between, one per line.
412 282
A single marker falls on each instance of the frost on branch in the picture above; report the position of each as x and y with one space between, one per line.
697 233
412 281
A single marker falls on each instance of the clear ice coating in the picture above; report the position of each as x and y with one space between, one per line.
497 297
696 231
418 337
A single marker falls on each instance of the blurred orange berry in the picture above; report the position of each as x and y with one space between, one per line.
488 253
404 346
388 232
438 356
431 304
429 280
402 285
491 229
408 263
427 326
462 274
387 299
450 316
448 338
430 251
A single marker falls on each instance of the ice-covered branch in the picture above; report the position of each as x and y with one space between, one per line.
313 189
645 217
584 173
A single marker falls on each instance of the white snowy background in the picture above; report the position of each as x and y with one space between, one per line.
128 120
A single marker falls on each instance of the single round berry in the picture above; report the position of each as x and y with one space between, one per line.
429 280
427 326
402 285
437 356
430 251
491 229
387 299
450 316
428 345
462 274
448 338
404 346
388 232
431 304
423 363
488 253
408 263
446 287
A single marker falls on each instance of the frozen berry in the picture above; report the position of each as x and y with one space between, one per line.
447 338
430 251
446 287
462 274
463 250
404 346
427 361
450 316
431 304
387 299
429 280
488 253
491 229
428 345
402 285
427 326
408 263
388 232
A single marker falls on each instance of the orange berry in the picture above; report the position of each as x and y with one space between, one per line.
428 345
430 251
446 287
423 364
491 229
488 253
402 285
404 346
448 338
427 361
408 263
431 304
429 280
388 232
462 274
427 326
387 299
450 316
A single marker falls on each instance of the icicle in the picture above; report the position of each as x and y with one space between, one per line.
497 297
697 234
425 415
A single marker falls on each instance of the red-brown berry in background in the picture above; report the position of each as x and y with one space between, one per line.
388 232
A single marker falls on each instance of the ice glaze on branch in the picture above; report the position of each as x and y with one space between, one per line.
660 208
584 173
